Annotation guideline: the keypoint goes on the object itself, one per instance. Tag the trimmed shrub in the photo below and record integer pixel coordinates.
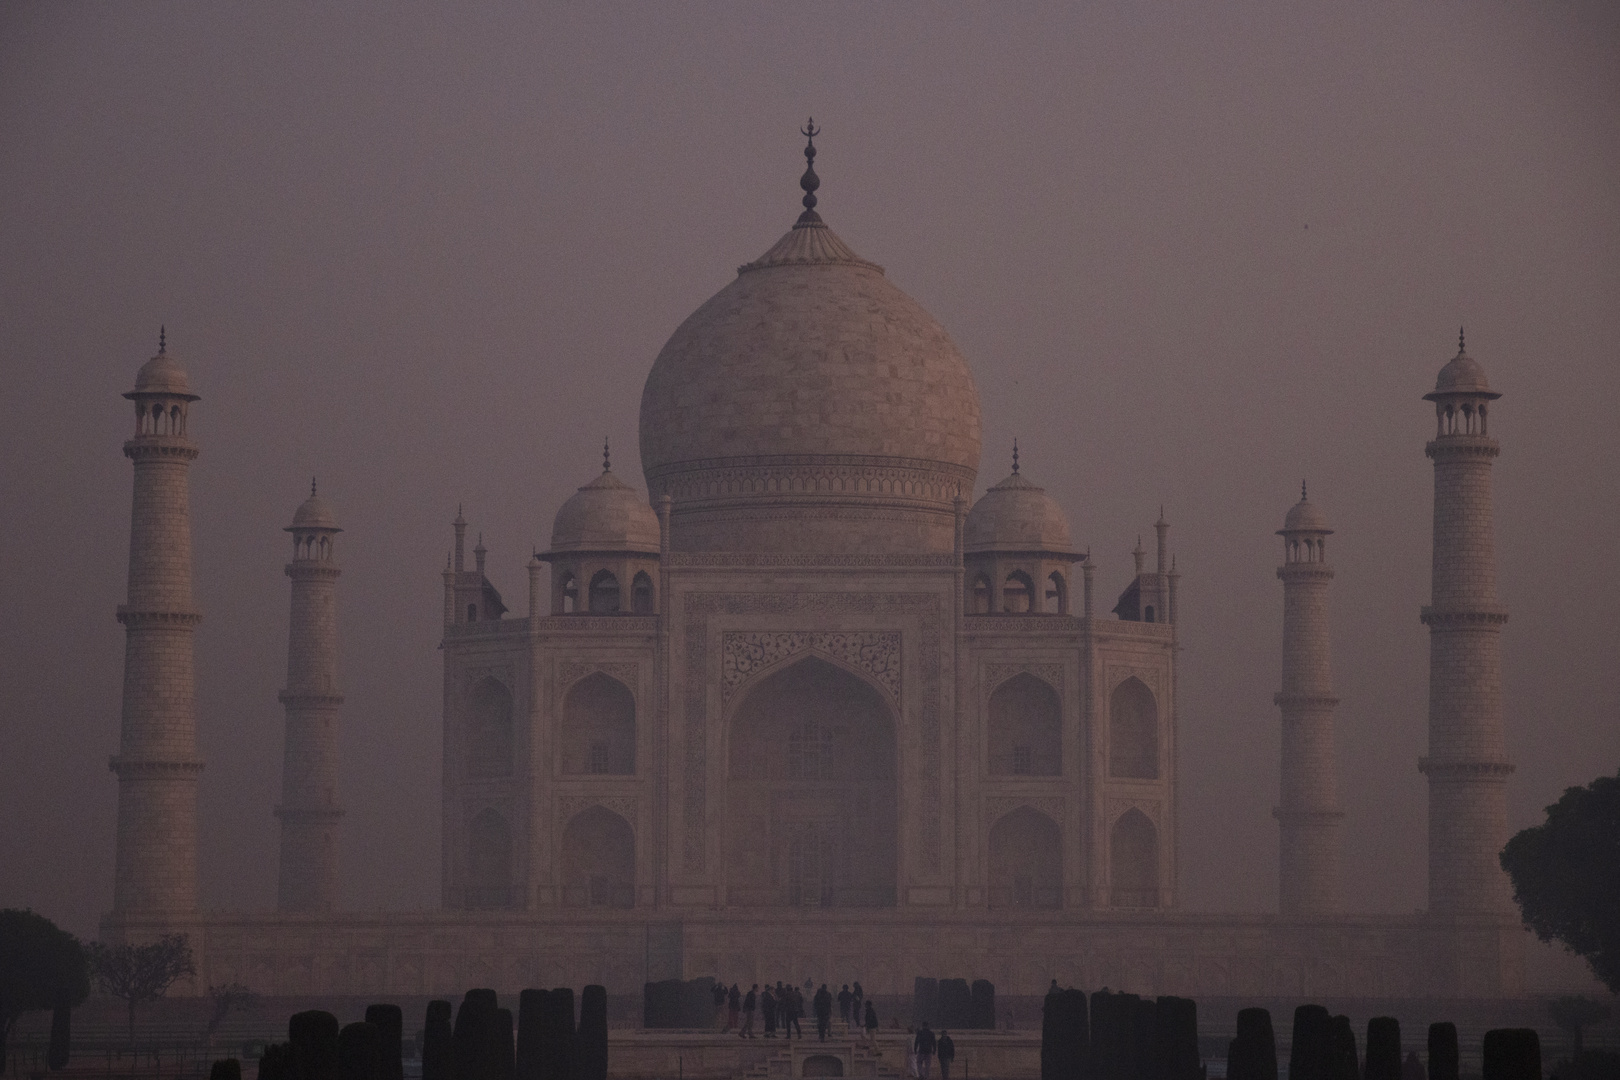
(1344, 1060)
(474, 1032)
(1383, 1049)
(502, 1063)
(389, 1020)
(955, 1004)
(1310, 1056)
(1512, 1054)
(225, 1069)
(591, 1043)
(313, 1038)
(924, 1000)
(1065, 1030)
(438, 1058)
(1444, 1055)
(677, 1004)
(1253, 1054)
(526, 1061)
(360, 1052)
(1176, 1027)
(276, 1062)
(557, 1034)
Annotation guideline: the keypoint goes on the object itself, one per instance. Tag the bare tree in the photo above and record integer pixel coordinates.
(140, 973)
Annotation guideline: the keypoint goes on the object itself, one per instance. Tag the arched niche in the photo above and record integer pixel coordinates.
(1026, 861)
(489, 729)
(598, 860)
(1057, 594)
(641, 594)
(1134, 861)
(1133, 732)
(599, 728)
(1025, 721)
(811, 813)
(489, 861)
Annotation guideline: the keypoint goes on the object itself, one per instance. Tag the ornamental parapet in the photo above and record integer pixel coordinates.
(1321, 701)
(1304, 571)
(1463, 617)
(1466, 770)
(172, 447)
(1462, 446)
(146, 767)
(292, 697)
(174, 617)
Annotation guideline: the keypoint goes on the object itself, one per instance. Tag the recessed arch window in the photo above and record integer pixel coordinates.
(599, 727)
(1133, 732)
(489, 861)
(981, 595)
(489, 730)
(1025, 722)
(598, 860)
(1134, 861)
(1026, 861)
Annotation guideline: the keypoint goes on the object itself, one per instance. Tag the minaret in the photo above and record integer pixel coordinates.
(1467, 762)
(157, 763)
(1308, 811)
(309, 810)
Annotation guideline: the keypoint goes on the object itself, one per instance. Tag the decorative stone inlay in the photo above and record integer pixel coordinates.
(812, 561)
(569, 805)
(999, 806)
(698, 607)
(570, 672)
(744, 654)
(996, 674)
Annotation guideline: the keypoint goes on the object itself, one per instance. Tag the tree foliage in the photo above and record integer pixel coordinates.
(140, 973)
(1575, 1015)
(1566, 875)
(41, 967)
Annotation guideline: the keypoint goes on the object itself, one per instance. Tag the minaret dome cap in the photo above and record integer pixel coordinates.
(1304, 517)
(1462, 376)
(1017, 515)
(162, 375)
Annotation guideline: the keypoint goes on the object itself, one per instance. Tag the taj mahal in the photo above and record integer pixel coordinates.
(793, 699)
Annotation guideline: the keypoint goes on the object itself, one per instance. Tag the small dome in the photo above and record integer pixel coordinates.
(1016, 515)
(605, 515)
(315, 513)
(1462, 375)
(163, 375)
(1305, 517)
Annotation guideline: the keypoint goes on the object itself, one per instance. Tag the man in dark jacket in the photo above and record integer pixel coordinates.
(924, 1044)
(749, 1004)
(845, 999)
(946, 1052)
(767, 1007)
(823, 1006)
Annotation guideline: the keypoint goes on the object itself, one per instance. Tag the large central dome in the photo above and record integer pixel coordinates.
(810, 406)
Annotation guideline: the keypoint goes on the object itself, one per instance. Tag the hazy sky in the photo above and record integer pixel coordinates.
(429, 252)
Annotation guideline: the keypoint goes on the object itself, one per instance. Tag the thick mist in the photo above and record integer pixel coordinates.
(1194, 254)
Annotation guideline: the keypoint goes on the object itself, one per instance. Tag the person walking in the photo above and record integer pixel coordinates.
(871, 1025)
(857, 1014)
(822, 1003)
(946, 1052)
(924, 1045)
(795, 1010)
(768, 1007)
(845, 1000)
(719, 993)
(733, 1008)
(748, 1005)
